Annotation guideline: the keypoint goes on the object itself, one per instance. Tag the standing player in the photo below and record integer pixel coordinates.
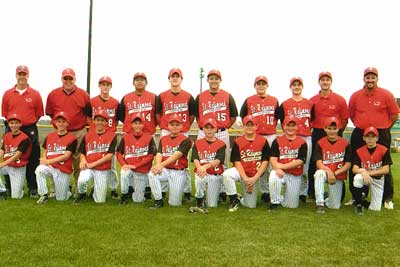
(170, 164)
(327, 104)
(15, 153)
(219, 104)
(176, 101)
(371, 163)
(263, 107)
(302, 109)
(110, 105)
(208, 155)
(288, 154)
(56, 162)
(26, 101)
(333, 160)
(250, 155)
(97, 149)
(373, 106)
(135, 154)
(76, 103)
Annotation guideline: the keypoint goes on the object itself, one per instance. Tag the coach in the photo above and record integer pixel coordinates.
(377, 107)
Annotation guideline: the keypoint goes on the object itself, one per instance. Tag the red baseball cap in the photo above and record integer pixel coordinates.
(214, 72)
(325, 73)
(136, 116)
(210, 121)
(371, 70)
(22, 68)
(139, 74)
(249, 118)
(175, 70)
(289, 119)
(14, 116)
(68, 73)
(331, 120)
(371, 130)
(260, 78)
(105, 79)
(101, 113)
(174, 117)
(61, 114)
(296, 79)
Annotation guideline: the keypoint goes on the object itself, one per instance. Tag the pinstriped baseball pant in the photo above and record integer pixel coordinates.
(60, 179)
(211, 183)
(334, 190)
(292, 189)
(100, 178)
(139, 182)
(17, 179)
(376, 188)
(230, 177)
(264, 178)
(175, 179)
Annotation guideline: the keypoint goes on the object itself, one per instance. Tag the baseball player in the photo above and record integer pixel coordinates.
(250, 155)
(327, 104)
(303, 110)
(288, 154)
(135, 154)
(27, 102)
(56, 162)
(15, 153)
(219, 104)
(97, 149)
(263, 108)
(370, 164)
(377, 107)
(333, 160)
(208, 155)
(176, 101)
(170, 164)
(110, 105)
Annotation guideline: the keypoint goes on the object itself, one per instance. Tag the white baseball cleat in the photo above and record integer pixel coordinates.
(350, 202)
(43, 199)
(389, 205)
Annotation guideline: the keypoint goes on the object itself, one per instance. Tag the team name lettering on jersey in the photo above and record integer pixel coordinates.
(300, 112)
(95, 147)
(10, 150)
(259, 110)
(136, 152)
(135, 107)
(172, 107)
(206, 156)
(169, 150)
(211, 107)
(55, 149)
(287, 153)
(371, 165)
(331, 157)
(250, 155)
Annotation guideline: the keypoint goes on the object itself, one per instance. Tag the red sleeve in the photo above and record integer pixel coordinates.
(39, 107)
(352, 106)
(49, 104)
(344, 110)
(392, 105)
(145, 160)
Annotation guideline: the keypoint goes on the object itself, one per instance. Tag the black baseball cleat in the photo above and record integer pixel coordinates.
(114, 195)
(3, 196)
(200, 202)
(130, 190)
(43, 199)
(359, 209)
(222, 197)
(79, 199)
(188, 197)
(33, 194)
(273, 207)
(158, 204)
(234, 205)
(303, 198)
(147, 193)
(164, 195)
(124, 199)
(265, 197)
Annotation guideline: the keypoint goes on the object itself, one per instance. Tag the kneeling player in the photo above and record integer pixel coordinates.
(135, 154)
(170, 164)
(370, 164)
(288, 154)
(208, 155)
(250, 155)
(333, 160)
(15, 152)
(57, 160)
(96, 152)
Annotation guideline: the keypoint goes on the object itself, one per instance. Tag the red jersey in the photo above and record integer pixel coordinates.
(144, 104)
(29, 105)
(207, 153)
(10, 146)
(289, 151)
(372, 109)
(251, 153)
(56, 146)
(302, 111)
(169, 146)
(333, 105)
(73, 104)
(215, 106)
(374, 161)
(110, 106)
(175, 103)
(333, 154)
(97, 146)
(263, 109)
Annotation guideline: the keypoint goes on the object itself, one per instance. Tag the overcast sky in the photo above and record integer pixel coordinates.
(243, 39)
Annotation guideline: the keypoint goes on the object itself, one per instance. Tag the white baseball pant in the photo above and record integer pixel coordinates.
(304, 184)
(175, 179)
(100, 178)
(264, 178)
(61, 181)
(376, 188)
(17, 179)
(334, 190)
(292, 189)
(139, 182)
(211, 183)
(230, 177)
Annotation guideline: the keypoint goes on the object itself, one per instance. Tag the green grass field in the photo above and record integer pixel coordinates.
(61, 234)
